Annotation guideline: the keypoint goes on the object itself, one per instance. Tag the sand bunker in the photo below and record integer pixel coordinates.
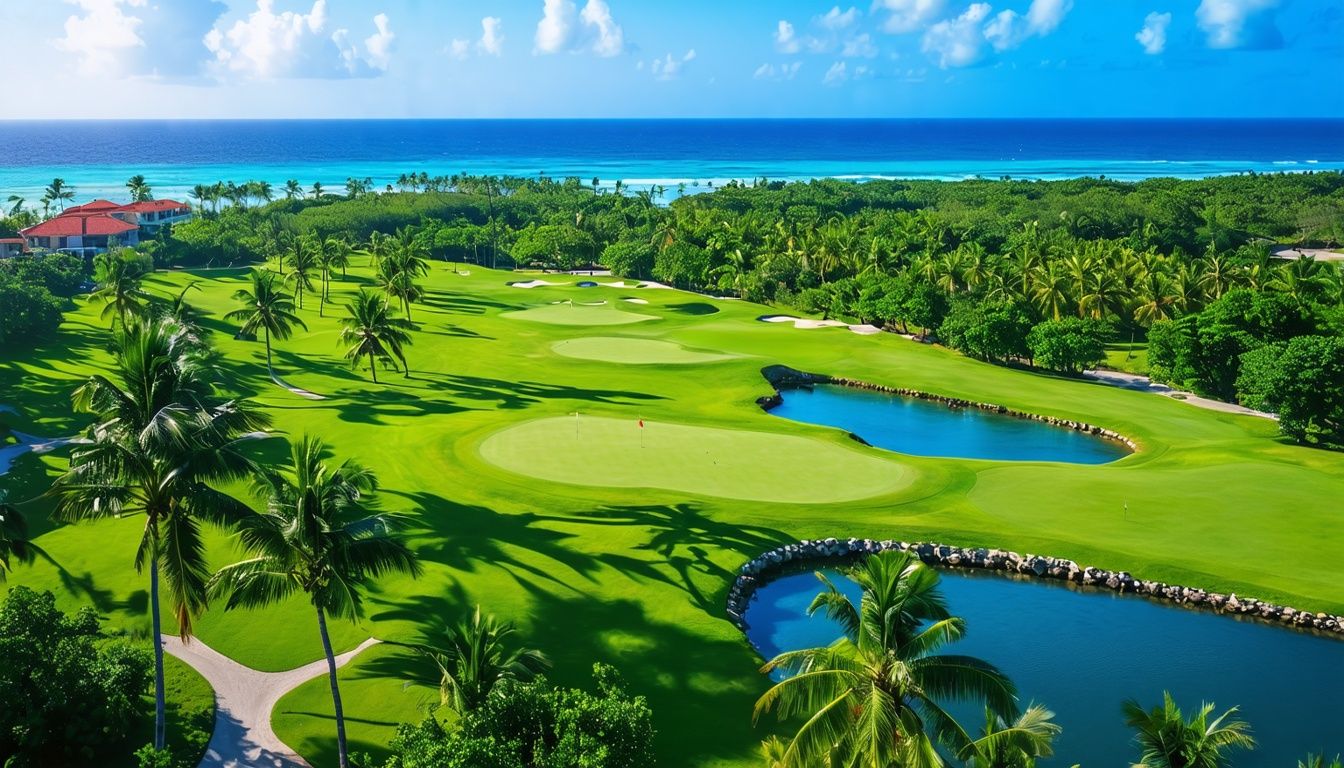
(636, 301)
(807, 323)
(633, 351)
(684, 459)
(533, 284)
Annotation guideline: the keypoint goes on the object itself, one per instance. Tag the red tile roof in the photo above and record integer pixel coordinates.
(76, 225)
(12, 241)
(154, 205)
(96, 206)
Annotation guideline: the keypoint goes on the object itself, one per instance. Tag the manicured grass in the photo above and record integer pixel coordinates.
(578, 314)
(636, 576)
(634, 351)
(703, 461)
(1130, 358)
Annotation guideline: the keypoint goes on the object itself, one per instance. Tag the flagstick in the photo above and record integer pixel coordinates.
(576, 425)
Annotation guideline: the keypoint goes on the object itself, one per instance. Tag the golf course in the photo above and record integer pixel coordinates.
(592, 465)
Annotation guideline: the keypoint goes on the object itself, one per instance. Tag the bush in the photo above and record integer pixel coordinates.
(532, 725)
(628, 258)
(66, 698)
(1069, 345)
(1301, 380)
(27, 312)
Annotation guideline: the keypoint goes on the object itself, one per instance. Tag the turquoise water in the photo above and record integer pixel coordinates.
(96, 157)
(1082, 653)
(925, 428)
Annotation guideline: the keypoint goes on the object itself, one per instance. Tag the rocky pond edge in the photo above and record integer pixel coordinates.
(829, 552)
(782, 377)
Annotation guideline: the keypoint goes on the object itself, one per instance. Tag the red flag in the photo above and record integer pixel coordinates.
(641, 423)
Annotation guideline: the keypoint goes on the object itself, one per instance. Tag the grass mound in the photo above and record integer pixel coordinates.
(569, 314)
(706, 461)
(617, 349)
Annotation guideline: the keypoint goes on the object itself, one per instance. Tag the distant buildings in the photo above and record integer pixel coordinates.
(96, 226)
(11, 247)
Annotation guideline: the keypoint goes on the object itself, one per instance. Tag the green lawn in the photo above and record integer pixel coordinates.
(634, 351)
(1130, 358)
(603, 551)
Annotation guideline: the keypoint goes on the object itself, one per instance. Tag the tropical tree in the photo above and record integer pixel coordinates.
(475, 655)
(873, 697)
(301, 256)
(139, 189)
(57, 192)
(161, 445)
(315, 538)
(118, 282)
(14, 543)
(16, 205)
(293, 190)
(372, 331)
(1015, 744)
(404, 262)
(267, 308)
(1168, 740)
(317, 190)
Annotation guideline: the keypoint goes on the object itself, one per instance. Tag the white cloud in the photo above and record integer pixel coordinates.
(668, 68)
(492, 35)
(610, 39)
(118, 38)
(560, 30)
(958, 42)
(1008, 30)
(459, 48)
(909, 15)
(836, 20)
(1239, 23)
(859, 47)
(837, 74)
(786, 40)
(267, 44)
(1153, 36)
(781, 72)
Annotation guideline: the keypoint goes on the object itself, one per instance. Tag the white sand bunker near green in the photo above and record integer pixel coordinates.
(621, 349)
(709, 461)
(577, 314)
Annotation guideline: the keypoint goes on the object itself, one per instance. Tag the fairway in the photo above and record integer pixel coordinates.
(577, 314)
(630, 351)
(706, 461)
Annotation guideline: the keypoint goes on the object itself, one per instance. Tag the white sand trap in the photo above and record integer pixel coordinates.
(865, 330)
(593, 303)
(636, 301)
(38, 445)
(617, 284)
(279, 382)
(533, 284)
(652, 284)
(803, 322)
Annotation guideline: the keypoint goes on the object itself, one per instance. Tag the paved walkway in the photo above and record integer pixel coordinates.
(244, 698)
(1138, 383)
(293, 389)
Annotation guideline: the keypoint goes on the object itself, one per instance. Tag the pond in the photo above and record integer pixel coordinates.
(1081, 653)
(927, 428)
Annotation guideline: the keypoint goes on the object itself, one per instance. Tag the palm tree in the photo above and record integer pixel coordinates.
(293, 190)
(474, 656)
(17, 205)
(58, 193)
(398, 269)
(1168, 740)
(317, 190)
(371, 331)
(1318, 761)
(266, 307)
(315, 538)
(161, 445)
(872, 697)
(139, 189)
(1014, 745)
(302, 260)
(14, 543)
(200, 194)
(119, 286)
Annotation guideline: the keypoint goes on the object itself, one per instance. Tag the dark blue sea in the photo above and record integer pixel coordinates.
(96, 157)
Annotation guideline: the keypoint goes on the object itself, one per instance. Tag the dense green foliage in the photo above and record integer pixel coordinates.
(537, 725)
(33, 293)
(67, 697)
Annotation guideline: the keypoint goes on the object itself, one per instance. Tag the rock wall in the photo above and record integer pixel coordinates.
(831, 552)
(782, 377)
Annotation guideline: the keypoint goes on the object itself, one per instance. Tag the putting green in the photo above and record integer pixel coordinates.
(567, 314)
(709, 461)
(619, 349)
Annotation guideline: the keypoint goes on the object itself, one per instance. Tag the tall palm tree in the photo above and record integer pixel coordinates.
(474, 656)
(200, 194)
(317, 190)
(1168, 740)
(873, 697)
(14, 543)
(293, 190)
(119, 286)
(58, 193)
(268, 308)
(405, 261)
(1016, 744)
(372, 331)
(16, 206)
(139, 189)
(302, 260)
(315, 538)
(161, 444)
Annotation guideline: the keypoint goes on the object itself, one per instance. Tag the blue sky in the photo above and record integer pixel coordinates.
(681, 58)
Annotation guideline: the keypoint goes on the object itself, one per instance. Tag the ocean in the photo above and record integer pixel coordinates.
(96, 157)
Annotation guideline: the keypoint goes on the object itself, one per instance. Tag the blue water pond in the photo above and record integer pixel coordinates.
(1083, 652)
(927, 428)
